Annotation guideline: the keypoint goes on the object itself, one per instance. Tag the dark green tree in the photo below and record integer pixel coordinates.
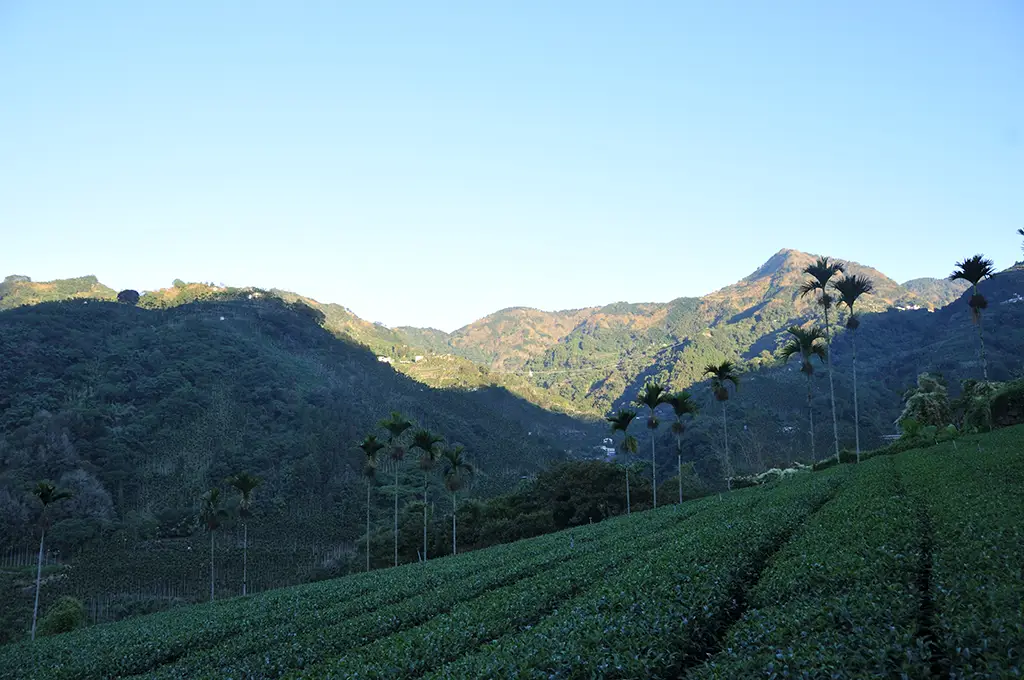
(128, 297)
(721, 375)
(457, 472)
(245, 484)
(822, 272)
(652, 396)
(806, 343)
(396, 425)
(211, 514)
(682, 405)
(850, 289)
(620, 421)
(371, 447)
(48, 494)
(974, 270)
(427, 442)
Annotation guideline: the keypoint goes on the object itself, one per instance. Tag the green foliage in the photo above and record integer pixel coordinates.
(65, 615)
(927, 404)
(128, 297)
(899, 567)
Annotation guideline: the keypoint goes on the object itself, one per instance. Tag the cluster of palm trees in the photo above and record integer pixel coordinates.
(456, 470)
(830, 287)
(212, 514)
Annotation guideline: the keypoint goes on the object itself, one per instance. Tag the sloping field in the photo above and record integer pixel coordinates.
(904, 566)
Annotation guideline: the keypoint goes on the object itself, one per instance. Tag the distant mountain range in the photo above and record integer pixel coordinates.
(577, 361)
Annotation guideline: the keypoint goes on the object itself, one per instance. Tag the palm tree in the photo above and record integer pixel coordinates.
(822, 272)
(682, 404)
(850, 288)
(211, 514)
(396, 425)
(457, 470)
(721, 375)
(1020, 232)
(371, 447)
(652, 396)
(974, 270)
(805, 344)
(426, 441)
(620, 421)
(245, 484)
(48, 494)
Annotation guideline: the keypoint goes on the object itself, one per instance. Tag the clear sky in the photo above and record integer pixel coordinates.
(427, 162)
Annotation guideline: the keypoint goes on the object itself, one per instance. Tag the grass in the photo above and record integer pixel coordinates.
(903, 566)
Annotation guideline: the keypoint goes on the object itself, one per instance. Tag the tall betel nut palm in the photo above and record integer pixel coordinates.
(721, 375)
(850, 289)
(427, 442)
(620, 421)
(48, 494)
(822, 271)
(211, 514)
(974, 270)
(806, 344)
(396, 425)
(682, 405)
(457, 472)
(371, 447)
(652, 396)
(245, 484)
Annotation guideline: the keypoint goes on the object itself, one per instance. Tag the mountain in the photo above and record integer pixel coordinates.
(16, 291)
(938, 292)
(140, 410)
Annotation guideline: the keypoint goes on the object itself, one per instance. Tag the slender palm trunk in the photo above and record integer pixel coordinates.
(367, 525)
(245, 558)
(831, 383)
(981, 343)
(810, 415)
(395, 531)
(654, 468)
(727, 468)
(211, 565)
(424, 515)
(39, 580)
(679, 474)
(627, 476)
(454, 551)
(856, 407)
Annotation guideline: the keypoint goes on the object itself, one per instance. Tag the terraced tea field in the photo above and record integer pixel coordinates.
(904, 566)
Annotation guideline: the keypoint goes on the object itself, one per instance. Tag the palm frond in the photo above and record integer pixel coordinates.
(652, 395)
(621, 419)
(396, 424)
(851, 288)
(48, 493)
(973, 270)
(682, 403)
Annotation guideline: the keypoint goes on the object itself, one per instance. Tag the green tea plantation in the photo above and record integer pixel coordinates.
(903, 566)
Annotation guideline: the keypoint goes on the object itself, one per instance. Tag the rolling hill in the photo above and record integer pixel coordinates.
(897, 567)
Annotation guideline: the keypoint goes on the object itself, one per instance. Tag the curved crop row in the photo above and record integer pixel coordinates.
(839, 601)
(649, 619)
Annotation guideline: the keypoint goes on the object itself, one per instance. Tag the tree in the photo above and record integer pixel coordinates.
(850, 288)
(1020, 232)
(128, 296)
(806, 343)
(245, 484)
(211, 514)
(682, 405)
(396, 425)
(822, 272)
(371, 447)
(721, 375)
(426, 441)
(652, 396)
(928, 403)
(974, 270)
(457, 471)
(620, 421)
(48, 494)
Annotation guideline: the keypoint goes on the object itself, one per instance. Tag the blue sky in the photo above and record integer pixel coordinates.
(426, 163)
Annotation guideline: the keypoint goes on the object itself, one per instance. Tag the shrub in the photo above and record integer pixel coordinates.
(1007, 404)
(65, 615)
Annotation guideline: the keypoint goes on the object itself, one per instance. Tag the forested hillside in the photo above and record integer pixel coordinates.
(139, 411)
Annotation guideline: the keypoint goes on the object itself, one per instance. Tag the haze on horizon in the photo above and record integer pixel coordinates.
(426, 166)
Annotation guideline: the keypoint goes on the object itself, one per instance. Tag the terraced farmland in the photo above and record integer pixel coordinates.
(904, 566)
